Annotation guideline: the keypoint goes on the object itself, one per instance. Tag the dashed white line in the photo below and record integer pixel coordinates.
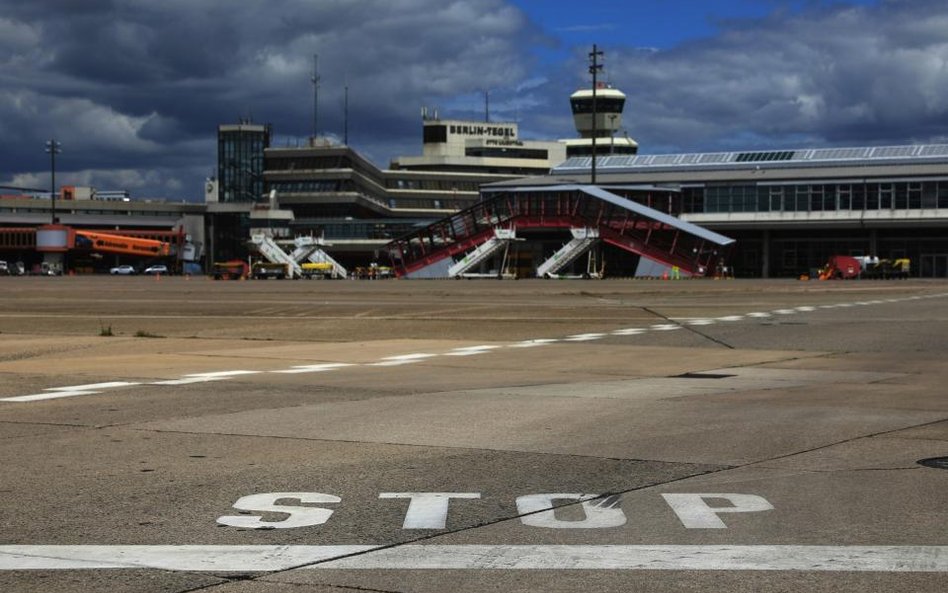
(785, 311)
(731, 318)
(632, 331)
(70, 391)
(535, 343)
(584, 337)
(665, 327)
(701, 322)
(314, 368)
(205, 377)
(391, 361)
(471, 350)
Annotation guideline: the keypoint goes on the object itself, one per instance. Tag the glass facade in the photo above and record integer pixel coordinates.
(240, 162)
(816, 197)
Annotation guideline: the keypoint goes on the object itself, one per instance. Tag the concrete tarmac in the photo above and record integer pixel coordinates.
(182, 434)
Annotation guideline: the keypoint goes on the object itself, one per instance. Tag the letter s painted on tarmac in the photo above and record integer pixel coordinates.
(299, 516)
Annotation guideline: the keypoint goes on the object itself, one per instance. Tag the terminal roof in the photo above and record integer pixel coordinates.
(769, 159)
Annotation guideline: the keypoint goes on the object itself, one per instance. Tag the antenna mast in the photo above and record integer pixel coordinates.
(315, 81)
(594, 68)
(487, 106)
(345, 119)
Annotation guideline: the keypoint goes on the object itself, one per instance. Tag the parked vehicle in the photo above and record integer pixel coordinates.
(4, 268)
(123, 270)
(230, 270)
(156, 269)
(265, 270)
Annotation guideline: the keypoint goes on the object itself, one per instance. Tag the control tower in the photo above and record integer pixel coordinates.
(609, 105)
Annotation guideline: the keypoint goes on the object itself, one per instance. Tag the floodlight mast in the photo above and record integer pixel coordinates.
(594, 68)
(53, 148)
(315, 81)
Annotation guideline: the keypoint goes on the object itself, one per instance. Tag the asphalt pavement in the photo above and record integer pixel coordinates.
(180, 434)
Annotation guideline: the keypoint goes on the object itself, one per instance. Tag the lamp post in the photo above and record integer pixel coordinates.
(53, 148)
(594, 68)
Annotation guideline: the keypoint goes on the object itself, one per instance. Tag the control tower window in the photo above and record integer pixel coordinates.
(435, 134)
(603, 105)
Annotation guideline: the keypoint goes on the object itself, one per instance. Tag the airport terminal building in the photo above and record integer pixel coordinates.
(788, 211)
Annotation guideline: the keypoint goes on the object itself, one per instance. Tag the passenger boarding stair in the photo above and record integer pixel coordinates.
(275, 254)
(500, 240)
(583, 240)
(624, 223)
(310, 249)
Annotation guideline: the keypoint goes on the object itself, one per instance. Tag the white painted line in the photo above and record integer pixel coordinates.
(785, 311)
(731, 318)
(315, 368)
(262, 558)
(71, 391)
(702, 322)
(806, 309)
(392, 361)
(632, 331)
(759, 315)
(665, 327)
(187, 558)
(534, 343)
(205, 377)
(471, 350)
(584, 337)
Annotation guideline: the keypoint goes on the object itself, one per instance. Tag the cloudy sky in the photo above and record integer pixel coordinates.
(134, 89)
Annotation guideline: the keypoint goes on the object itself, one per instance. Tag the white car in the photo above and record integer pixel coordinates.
(123, 270)
(158, 269)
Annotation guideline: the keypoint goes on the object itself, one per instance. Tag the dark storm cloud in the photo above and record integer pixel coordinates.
(134, 89)
(825, 76)
(136, 85)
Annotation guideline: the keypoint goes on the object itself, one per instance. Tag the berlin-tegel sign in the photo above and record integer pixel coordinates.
(429, 511)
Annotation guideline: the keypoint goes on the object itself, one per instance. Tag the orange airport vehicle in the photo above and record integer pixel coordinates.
(121, 244)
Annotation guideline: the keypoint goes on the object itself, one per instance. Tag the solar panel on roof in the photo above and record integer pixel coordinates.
(892, 151)
(934, 150)
(714, 157)
(805, 157)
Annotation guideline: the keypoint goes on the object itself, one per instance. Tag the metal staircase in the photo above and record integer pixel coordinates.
(500, 240)
(275, 254)
(310, 249)
(583, 240)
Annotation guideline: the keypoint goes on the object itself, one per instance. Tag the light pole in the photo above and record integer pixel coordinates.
(53, 148)
(594, 68)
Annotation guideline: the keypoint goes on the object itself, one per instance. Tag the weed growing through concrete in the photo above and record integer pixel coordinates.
(143, 334)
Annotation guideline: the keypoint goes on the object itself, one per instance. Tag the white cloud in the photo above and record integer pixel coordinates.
(832, 75)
